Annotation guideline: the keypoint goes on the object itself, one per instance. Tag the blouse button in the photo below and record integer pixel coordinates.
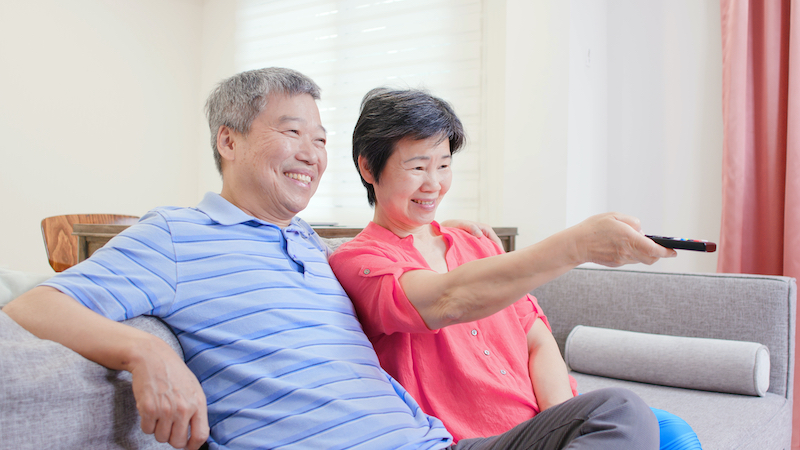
(503, 372)
(474, 332)
(366, 271)
(486, 352)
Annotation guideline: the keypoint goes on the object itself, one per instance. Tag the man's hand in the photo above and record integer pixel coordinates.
(169, 398)
(614, 239)
(477, 229)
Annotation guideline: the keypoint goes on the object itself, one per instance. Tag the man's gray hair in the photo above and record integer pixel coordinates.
(237, 101)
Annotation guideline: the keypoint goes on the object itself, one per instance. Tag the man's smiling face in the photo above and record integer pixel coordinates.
(272, 171)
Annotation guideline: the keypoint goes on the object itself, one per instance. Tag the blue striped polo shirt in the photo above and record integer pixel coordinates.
(264, 324)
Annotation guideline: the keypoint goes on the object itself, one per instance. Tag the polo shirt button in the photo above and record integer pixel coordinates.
(503, 372)
(366, 271)
(474, 332)
(486, 352)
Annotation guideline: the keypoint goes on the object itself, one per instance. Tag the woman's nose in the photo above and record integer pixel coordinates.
(432, 181)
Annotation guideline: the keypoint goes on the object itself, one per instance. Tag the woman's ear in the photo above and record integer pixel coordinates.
(226, 143)
(365, 173)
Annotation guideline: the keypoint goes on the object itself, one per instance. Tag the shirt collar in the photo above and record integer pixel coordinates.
(222, 211)
(226, 213)
(382, 234)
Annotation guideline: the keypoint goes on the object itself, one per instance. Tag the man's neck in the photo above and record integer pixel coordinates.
(253, 211)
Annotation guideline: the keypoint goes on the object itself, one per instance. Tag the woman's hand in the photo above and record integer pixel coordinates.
(614, 239)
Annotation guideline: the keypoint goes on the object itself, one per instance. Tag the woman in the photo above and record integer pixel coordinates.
(449, 314)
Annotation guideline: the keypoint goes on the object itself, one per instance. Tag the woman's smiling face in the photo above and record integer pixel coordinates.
(415, 179)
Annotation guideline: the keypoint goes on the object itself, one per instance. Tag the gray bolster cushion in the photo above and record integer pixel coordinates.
(735, 367)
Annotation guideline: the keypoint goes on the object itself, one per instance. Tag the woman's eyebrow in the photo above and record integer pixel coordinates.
(424, 158)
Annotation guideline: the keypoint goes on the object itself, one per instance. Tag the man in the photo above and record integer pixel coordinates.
(274, 354)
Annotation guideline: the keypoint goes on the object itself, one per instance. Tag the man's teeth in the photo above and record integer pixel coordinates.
(299, 177)
(423, 202)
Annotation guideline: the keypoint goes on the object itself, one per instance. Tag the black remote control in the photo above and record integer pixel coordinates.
(684, 244)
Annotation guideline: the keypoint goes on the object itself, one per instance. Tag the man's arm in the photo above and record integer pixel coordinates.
(483, 287)
(168, 396)
(547, 369)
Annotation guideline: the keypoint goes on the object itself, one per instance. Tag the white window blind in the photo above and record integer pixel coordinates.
(350, 47)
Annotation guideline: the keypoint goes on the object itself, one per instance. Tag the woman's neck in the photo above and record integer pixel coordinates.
(427, 240)
(420, 232)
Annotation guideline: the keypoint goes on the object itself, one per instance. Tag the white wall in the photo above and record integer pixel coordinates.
(637, 130)
(534, 169)
(98, 113)
(665, 120)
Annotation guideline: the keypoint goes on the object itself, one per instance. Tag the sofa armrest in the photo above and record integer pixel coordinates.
(51, 396)
(750, 308)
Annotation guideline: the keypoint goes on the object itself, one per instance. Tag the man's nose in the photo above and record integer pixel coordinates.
(308, 153)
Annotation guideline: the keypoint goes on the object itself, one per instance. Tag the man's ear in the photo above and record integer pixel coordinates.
(365, 173)
(226, 143)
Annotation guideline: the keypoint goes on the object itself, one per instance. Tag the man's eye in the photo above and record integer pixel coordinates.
(444, 166)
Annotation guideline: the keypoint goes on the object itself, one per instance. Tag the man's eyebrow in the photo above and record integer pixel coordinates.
(283, 119)
(423, 158)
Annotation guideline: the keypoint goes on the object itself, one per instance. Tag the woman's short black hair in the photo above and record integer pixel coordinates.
(388, 116)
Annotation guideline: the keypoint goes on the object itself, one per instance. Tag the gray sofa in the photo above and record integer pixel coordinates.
(723, 306)
(51, 397)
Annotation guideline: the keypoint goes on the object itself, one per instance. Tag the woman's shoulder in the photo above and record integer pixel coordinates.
(365, 243)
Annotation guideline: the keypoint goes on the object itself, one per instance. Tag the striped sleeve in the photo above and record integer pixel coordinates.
(133, 275)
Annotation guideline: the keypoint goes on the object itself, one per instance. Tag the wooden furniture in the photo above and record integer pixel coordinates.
(93, 236)
(506, 234)
(63, 250)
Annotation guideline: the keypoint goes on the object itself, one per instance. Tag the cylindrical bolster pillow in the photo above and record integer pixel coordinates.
(735, 367)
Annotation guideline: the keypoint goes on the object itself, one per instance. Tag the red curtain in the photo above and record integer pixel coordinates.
(760, 230)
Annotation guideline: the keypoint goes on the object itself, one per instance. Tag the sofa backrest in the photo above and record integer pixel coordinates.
(751, 308)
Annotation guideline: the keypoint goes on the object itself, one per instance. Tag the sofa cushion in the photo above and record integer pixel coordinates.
(14, 283)
(719, 365)
(721, 421)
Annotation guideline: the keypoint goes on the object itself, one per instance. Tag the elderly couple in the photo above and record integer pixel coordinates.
(451, 351)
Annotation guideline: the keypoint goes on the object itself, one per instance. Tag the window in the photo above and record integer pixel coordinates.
(350, 47)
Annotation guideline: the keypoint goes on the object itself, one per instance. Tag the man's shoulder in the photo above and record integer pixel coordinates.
(176, 214)
(167, 222)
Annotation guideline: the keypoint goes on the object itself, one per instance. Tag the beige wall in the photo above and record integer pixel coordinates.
(102, 112)
(100, 105)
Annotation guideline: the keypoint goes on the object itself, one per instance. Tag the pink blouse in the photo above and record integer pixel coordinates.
(473, 376)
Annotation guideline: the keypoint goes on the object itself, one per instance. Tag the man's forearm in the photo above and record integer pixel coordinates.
(50, 314)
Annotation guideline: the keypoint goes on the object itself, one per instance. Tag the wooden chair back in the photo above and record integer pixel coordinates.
(62, 246)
